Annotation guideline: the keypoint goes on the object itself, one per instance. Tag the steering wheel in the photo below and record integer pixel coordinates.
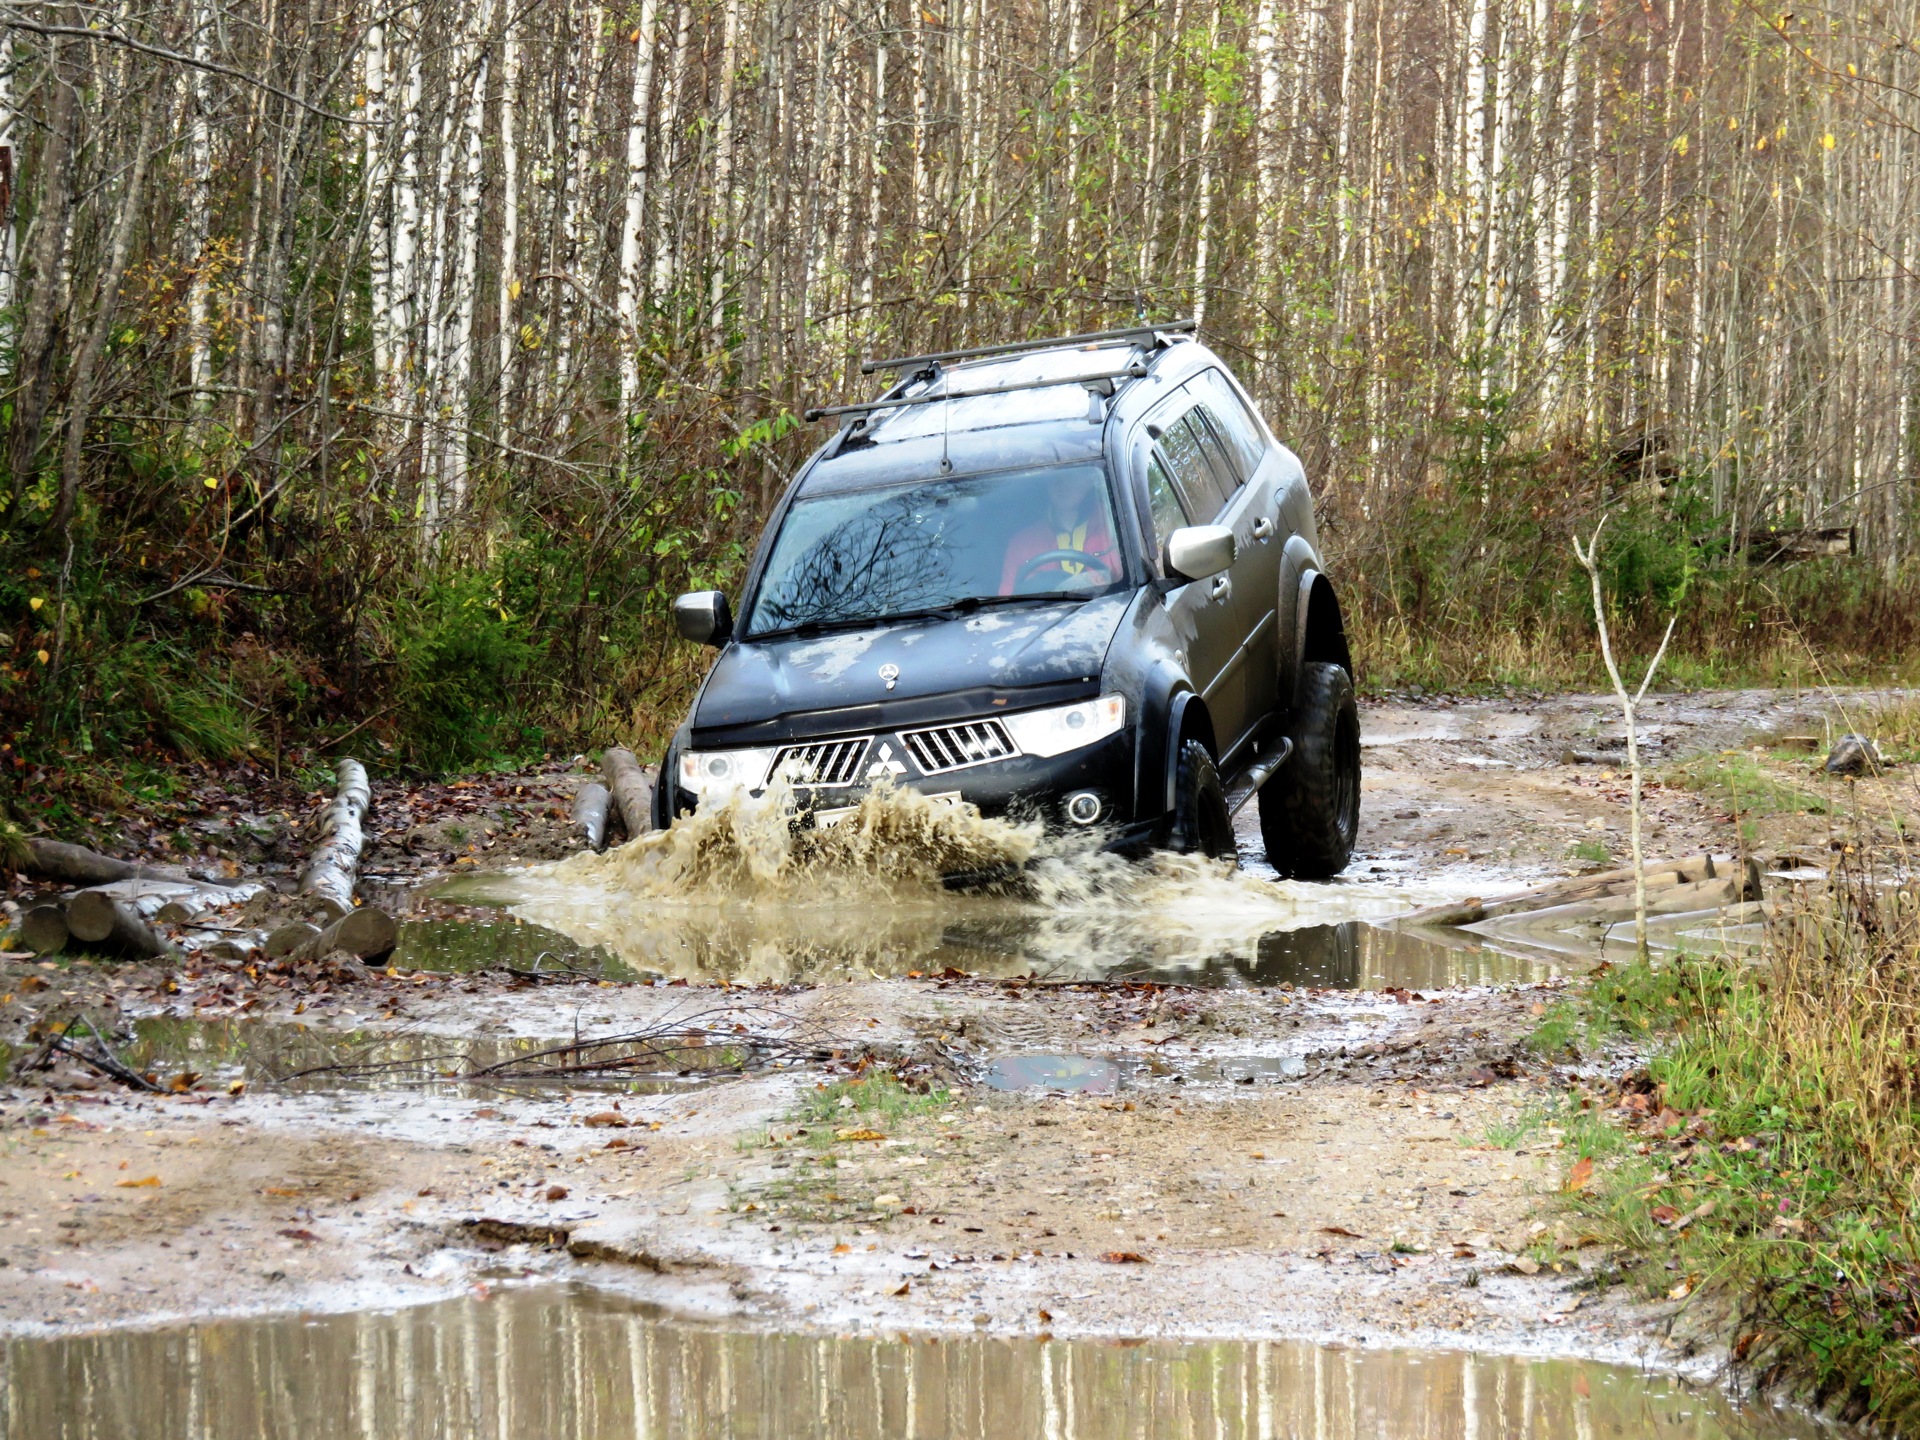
(1056, 557)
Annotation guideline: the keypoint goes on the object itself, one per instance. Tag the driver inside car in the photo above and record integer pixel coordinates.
(1075, 536)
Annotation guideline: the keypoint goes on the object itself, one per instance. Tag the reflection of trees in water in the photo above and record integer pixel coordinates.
(890, 557)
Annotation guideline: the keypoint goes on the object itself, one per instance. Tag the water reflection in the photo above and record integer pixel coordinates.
(260, 1052)
(575, 1365)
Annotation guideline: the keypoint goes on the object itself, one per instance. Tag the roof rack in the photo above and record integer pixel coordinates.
(1142, 332)
(1133, 371)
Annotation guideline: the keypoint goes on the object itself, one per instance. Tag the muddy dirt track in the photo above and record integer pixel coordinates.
(1293, 1123)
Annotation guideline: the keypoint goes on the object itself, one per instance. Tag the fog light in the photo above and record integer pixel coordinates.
(1083, 807)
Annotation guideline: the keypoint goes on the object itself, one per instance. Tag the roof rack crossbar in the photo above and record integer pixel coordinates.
(866, 407)
(1144, 332)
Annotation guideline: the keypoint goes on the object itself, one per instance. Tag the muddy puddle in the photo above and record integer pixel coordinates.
(540, 1363)
(744, 896)
(297, 1059)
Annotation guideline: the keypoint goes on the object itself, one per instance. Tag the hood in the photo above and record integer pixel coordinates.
(754, 682)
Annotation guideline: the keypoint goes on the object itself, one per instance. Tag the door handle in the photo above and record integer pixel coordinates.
(1222, 587)
(1263, 528)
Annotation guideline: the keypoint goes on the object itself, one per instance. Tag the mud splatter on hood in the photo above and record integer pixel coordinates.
(756, 681)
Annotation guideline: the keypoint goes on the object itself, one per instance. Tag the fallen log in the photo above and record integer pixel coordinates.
(77, 865)
(1687, 870)
(43, 929)
(368, 934)
(96, 917)
(632, 790)
(590, 815)
(335, 865)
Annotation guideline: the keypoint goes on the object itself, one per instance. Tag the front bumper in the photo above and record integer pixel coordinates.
(1020, 787)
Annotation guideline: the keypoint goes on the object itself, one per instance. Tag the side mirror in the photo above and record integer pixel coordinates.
(1197, 551)
(704, 617)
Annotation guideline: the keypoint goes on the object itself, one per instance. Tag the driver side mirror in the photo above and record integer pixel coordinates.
(704, 617)
(1195, 552)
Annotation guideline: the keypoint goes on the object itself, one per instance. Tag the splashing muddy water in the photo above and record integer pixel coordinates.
(545, 1363)
(744, 893)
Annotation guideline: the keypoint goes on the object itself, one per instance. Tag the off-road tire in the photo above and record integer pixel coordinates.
(1310, 811)
(1201, 823)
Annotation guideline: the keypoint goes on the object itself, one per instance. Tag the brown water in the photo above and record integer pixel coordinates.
(556, 1364)
(744, 894)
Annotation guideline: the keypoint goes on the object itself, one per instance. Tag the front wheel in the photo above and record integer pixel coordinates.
(1200, 819)
(1310, 811)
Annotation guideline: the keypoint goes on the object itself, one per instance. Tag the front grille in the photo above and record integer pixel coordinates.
(824, 764)
(955, 747)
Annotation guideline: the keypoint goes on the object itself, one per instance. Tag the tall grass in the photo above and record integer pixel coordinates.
(1788, 1093)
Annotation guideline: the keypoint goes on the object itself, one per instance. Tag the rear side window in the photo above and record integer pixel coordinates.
(1236, 425)
(1185, 444)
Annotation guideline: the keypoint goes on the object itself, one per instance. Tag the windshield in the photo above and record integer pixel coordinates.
(937, 544)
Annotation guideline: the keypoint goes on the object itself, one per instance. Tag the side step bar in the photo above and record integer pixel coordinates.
(1263, 769)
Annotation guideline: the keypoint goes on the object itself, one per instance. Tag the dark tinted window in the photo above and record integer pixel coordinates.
(1226, 469)
(1162, 501)
(1237, 427)
(1185, 445)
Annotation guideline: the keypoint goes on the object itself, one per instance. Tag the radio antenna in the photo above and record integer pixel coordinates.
(946, 417)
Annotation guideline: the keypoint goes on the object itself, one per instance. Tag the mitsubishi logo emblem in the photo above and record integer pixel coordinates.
(886, 764)
(890, 672)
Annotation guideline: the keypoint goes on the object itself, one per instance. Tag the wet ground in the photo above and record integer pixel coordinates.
(1169, 1104)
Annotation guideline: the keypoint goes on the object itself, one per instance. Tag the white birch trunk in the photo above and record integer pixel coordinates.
(199, 205)
(876, 171)
(632, 271)
(722, 217)
(1266, 144)
(507, 282)
(922, 103)
(670, 222)
(10, 179)
(1205, 218)
(457, 410)
(405, 281)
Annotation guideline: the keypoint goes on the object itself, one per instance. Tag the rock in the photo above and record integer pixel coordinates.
(1854, 755)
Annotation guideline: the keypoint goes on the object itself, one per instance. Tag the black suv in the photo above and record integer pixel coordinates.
(1075, 578)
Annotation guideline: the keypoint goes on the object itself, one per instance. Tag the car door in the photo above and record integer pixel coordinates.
(1204, 610)
(1242, 451)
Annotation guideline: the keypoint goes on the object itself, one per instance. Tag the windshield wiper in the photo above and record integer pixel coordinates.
(953, 611)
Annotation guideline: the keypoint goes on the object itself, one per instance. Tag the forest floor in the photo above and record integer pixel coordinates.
(1376, 1164)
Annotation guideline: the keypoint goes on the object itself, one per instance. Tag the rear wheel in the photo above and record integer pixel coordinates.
(1201, 823)
(1310, 811)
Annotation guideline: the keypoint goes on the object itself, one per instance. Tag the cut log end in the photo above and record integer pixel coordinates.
(590, 815)
(43, 930)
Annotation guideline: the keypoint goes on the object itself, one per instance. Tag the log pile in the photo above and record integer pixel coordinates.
(155, 912)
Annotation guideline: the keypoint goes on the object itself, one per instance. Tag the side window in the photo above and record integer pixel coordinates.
(1237, 426)
(1162, 502)
(1226, 468)
(1185, 444)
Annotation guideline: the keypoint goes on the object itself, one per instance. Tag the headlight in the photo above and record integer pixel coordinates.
(709, 773)
(1067, 727)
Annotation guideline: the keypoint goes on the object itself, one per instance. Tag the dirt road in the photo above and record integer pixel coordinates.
(1251, 1159)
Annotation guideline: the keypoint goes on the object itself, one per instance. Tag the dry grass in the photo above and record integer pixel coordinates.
(1788, 1094)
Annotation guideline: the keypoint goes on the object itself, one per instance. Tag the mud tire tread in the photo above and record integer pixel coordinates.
(1201, 824)
(1310, 811)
